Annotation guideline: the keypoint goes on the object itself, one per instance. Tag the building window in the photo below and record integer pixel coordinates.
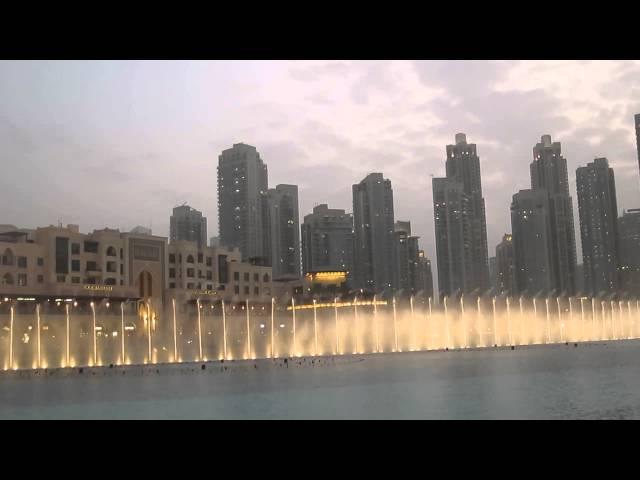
(190, 272)
(190, 259)
(22, 279)
(256, 277)
(111, 252)
(90, 246)
(200, 258)
(75, 279)
(40, 278)
(209, 261)
(246, 289)
(236, 289)
(92, 267)
(40, 261)
(209, 275)
(91, 280)
(246, 276)
(121, 269)
(256, 291)
(200, 274)
(75, 249)
(121, 254)
(172, 273)
(236, 276)
(110, 281)
(22, 262)
(61, 278)
(112, 267)
(75, 265)
(172, 258)
(121, 282)
(172, 285)
(190, 285)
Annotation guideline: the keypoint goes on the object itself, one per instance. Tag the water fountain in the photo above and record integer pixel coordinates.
(375, 324)
(355, 318)
(293, 313)
(395, 329)
(335, 308)
(315, 326)
(413, 332)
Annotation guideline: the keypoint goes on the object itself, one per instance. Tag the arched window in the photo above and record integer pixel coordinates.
(190, 259)
(111, 252)
(8, 258)
(7, 279)
(265, 278)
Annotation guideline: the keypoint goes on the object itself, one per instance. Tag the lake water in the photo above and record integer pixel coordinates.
(591, 381)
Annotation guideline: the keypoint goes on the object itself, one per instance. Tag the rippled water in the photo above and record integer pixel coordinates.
(592, 381)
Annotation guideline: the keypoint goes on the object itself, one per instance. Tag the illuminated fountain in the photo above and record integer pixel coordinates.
(56, 334)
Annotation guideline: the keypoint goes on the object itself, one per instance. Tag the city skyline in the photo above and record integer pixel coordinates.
(51, 152)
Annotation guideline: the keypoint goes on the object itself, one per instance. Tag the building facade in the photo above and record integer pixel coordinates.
(461, 225)
(598, 212)
(549, 174)
(505, 268)
(188, 224)
(629, 234)
(532, 243)
(242, 190)
(283, 240)
(327, 241)
(373, 222)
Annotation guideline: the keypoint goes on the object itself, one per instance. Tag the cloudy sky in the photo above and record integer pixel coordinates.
(118, 144)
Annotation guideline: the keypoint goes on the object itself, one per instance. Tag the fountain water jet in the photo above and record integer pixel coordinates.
(535, 318)
(293, 312)
(395, 330)
(413, 332)
(546, 301)
(248, 329)
(604, 325)
(224, 332)
(315, 327)
(464, 322)
(495, 325)
(355, 317)
(446, 323)
(511, 340)
(175, 332)
(272, 317)
(430, 327)
(522, 336)
(582, 318)
(11, 338)
(375, 324)
(67, 349)
(335, 309)
(560, 320)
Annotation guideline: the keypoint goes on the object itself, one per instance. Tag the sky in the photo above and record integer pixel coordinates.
(120, 143)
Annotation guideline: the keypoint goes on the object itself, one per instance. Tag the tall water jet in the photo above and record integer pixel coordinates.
(395, 329)
(355, 317)
(604, 325)
(413, 333)
(593, 319)
(11, 338)
(248, 329)
(224, 332)
(446, 324)
(613, 321)
(630, 319)
(375, 324)
(464, 322)
(198, 306)
(560, 319)
(582, 318)
(535, 318)
(495, 323)
(335, 310)
(522, 335)
(293, 313)
(272, 336)
(620, 319)
(67, 343)
(511, 340)
(430, 327)
(38, 334)
(95, 334)
(149, 332)
(175, 332)
(571, 321)
(548, 321)
(315, 327)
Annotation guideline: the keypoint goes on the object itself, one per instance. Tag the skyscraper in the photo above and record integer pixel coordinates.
(598, 211)
(424, 277)
(242, 190)
(549, 174)
(460, 224)
(532, 242)
(373, 223)
(327, 240)
(284, 231)
(505, 268)
(187, 223)
(629, 231)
